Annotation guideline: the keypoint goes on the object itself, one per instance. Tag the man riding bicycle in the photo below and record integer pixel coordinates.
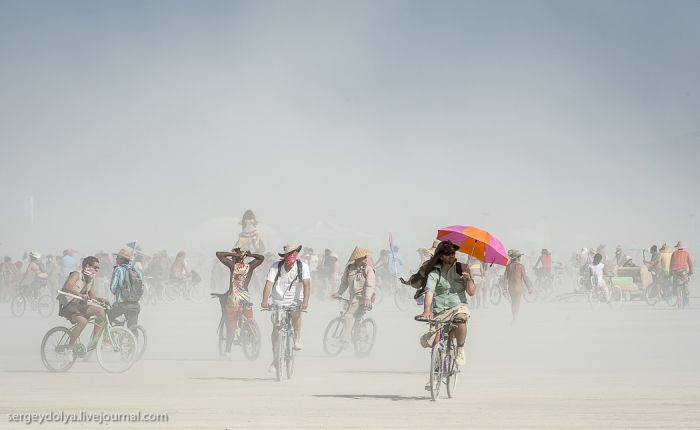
(78, 311)
(359, 280)
(288, 284)
(681, 269)
(445, 298)
(238, 295)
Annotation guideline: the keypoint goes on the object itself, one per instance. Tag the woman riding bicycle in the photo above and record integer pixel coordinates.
(238, 296)
(445, 298)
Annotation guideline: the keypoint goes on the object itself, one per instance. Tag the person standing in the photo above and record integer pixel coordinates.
(516, 281)
(127, 287)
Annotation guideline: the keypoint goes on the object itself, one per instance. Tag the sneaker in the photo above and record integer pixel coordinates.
(272, 367)
(460, 356)
(298, 344)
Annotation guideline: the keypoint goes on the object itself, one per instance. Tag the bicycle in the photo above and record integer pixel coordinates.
(36, 297)
(680, 286)
(283, 347)
(187, 288)
(363, 336)
(248, 333)
(116, 346)
(443, 357)
(497, 291)
(597, 295)
(660, 289)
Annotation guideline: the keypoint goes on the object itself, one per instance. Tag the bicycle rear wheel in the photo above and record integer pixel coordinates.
(651, 294)
(332, 337)
(495, 295)
(250, 340)
(18, 305)
(364, 336)
(56, 351)
(116, 350)
(435, 372)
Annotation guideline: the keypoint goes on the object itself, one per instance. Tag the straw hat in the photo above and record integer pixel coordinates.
(679, 245)
(35, 255)
(514, 253)
(289, 248)
(359, 252)
(434, 246)
(125, 254)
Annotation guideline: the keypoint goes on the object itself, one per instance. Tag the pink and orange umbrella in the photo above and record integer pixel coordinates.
(475, 242)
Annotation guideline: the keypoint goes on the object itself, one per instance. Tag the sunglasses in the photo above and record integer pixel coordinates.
(448, 254)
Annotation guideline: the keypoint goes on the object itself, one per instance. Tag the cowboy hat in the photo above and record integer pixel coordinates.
(125, 254)
(358, 253)
(35, 255)
(679, 245)
(289, 248)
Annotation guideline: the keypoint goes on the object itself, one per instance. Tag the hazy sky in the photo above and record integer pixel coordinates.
(558, 124)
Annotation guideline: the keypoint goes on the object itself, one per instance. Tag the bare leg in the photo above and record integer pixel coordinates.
(80, 323)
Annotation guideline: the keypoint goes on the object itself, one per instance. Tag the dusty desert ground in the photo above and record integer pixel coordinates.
(562, 366)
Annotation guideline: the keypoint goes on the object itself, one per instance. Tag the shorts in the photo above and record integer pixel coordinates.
(427, 339)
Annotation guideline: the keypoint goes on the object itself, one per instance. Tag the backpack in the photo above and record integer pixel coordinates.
(133, 290)
(298, 278)
(420, 278)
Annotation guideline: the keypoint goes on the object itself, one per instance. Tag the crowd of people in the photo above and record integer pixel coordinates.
(443, 280)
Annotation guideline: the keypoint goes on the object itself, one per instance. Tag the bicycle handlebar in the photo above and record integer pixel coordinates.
(91, 301)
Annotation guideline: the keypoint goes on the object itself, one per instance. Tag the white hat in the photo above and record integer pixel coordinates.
(289, 248)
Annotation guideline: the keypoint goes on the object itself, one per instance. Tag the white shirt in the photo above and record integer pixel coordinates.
(597, 272)
(284, 293)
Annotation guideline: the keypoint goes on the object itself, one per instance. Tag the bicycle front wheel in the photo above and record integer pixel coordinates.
(45, 305)
(495, 295)
(56, 351)
(116, 350)
(363, 337)
(435, 372)
(141, 341)
(332, 337)
(280, 352)
(289, 359)
(402, 298)
(452, 369)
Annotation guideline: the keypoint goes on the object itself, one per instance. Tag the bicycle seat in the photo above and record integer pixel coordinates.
(218, 295)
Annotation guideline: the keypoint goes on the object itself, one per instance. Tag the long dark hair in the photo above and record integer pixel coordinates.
(427, 267)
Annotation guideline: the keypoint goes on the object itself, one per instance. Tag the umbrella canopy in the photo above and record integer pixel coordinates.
(476, 242)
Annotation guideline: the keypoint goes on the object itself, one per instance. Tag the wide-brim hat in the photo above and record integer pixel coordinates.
(679, 245)
(359, 252)
(289, 248)
(34, 254)
(125, 254)
(433, 247)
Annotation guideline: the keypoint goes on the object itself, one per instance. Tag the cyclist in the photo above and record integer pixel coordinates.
(359, 280)
(288, 284)
(681, 268)
(125, 279)
(241, 273)
(35, 276)
(250, 239)
(78, 311)
(543, 266)
(445, 297)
